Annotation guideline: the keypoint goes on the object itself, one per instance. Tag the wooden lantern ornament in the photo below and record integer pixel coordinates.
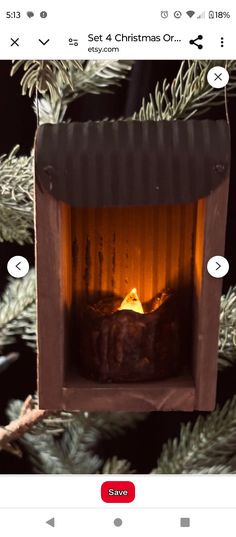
(127, 215)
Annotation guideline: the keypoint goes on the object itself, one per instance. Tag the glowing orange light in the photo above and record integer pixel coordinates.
(132, 302)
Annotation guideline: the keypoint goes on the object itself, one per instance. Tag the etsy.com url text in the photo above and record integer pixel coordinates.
(98, 50)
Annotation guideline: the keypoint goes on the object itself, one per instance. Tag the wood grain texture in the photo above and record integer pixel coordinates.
(172, 394)
(210, 241)
(53, 295)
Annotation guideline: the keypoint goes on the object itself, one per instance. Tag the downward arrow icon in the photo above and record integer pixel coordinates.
(44, 42)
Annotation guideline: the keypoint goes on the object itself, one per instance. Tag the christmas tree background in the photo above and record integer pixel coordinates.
(33, 441)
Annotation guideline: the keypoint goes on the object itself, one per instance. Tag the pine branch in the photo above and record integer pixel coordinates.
(17, 311)
(227, 333)
(41, 75)
(61, 82)
(7, 360)
(98, 76)
(15, 227)
(95, 78)
(188, 95)
(18, 427)
(16, 197)
(116, 466)
(209, 443)
(50, 109)
(212, 470)
(74, 450)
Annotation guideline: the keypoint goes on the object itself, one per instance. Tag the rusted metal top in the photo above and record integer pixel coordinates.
(122, 163)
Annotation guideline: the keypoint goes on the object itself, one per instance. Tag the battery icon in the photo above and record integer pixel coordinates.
(211, 14)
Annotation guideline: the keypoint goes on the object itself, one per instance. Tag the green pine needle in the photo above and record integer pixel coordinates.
(17, 311)
(96, 77)
(188, 95)
(16, 197)
(211, 442)
(73, 451)
(227, 333)
(117, 466)
(41, 75)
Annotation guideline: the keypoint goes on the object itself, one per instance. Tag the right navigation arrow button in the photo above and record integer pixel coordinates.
(217, 266)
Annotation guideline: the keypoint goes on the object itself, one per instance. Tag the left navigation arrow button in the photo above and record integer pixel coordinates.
(18, 266)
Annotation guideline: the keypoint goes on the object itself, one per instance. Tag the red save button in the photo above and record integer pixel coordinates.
(118, 492)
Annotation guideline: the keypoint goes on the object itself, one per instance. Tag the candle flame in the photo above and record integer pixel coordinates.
(132, 302)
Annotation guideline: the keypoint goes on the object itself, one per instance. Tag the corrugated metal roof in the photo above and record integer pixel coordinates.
(122, 163)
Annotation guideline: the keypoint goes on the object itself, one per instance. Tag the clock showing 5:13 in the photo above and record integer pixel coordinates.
(13, 14)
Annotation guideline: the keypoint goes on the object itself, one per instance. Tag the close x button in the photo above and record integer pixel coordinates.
(118, 491)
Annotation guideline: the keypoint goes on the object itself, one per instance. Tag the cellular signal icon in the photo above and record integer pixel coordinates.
(202, 15)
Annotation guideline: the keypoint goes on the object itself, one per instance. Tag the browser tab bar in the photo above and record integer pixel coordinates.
(167, 31)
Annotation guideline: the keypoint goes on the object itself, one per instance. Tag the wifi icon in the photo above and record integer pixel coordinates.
(190, 13)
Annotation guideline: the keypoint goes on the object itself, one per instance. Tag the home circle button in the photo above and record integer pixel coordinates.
(118, 492)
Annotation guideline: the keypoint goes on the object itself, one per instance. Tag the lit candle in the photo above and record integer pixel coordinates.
(123, 342)
(132, 302)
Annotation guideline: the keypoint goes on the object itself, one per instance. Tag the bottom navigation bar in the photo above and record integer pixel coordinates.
(119, 521)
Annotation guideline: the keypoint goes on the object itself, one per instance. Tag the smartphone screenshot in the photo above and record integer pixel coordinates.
(117, 269)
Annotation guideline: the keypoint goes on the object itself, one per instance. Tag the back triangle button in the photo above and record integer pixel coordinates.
(51, 522)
